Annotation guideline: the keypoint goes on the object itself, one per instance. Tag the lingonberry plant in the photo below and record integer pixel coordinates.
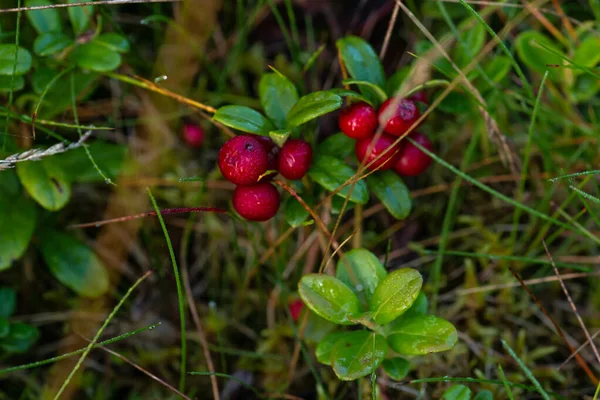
(389, 307)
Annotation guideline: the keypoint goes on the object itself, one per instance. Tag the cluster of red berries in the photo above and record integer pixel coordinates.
(360, 121)
(251, 162)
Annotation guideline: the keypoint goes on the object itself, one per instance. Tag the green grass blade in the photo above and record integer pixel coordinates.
(526, 370)
(505, 382)
(180, 295)
(592, 172)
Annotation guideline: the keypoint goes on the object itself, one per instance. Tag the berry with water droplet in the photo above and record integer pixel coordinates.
(258, 202)
(193, 135)
(411, 160)
(399, 119)
(358, 121)
(294, 159)
(243, 159)
(383, 143)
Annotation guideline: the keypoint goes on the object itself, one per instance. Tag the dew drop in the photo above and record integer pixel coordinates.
(145, 21)
(359, 288)
(108, 181)
(160, 78)
(151, 328)
(212, 304)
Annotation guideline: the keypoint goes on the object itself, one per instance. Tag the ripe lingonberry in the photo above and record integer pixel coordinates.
(419, 96)
(358, 121)
(243, 159)
(272, 153)
(382, 144)
(258, 202)
(295, 308)
(193, 135)
(411, 160)
(294, 159)
(402, 118)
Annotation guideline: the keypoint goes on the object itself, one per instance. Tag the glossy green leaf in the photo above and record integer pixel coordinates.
(7, 60)
(395, 294)
(422, 335)
(419, 307)
(294, 213)
(498, 68)
(108, 156)
(329, 297)
(338, 203)
(43, 21)
(323, 350)
(280, 136)
(484, 395)
(80, 16)
(536, 57)
(472, 41)
(357, 354)
(58, 97)
(331, 173)
(277, 96)
(312, 106)
(17, 82)
(114, 42)
(74, 264)
(396, 368)
(338, 145)
(457, 392)
(8, 301)
(20, 338)
(4, 327)
(354, 96)
(374, 91)
(244, 119)
(360, 270)
(17, 224)
(360, 60)
(46, 182)
(50, 43)
(587, 54)
(96, 57)
(392, 192)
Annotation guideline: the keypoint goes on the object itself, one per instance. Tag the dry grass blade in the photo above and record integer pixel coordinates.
(580, 360)
(573, 307)
(578, 350)
(38, 154)
(388, 33)
(86, 3)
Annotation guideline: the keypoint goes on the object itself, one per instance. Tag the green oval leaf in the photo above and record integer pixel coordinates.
(338, 145)
(395, 294)
(7, 60)
(280, 136)
(17, 224)
(312, 106)
(294, 213)
(536, 57)
(360, 270)
(375, 92)
(484, 395)
(20, 338)
(457, 392)
(8, 301)
(352, 95)
(498, 68)
(4, 327)
(360, 60)
(587, 54)
(46, 182)
(96, 57)
(50, 43)
(277, 97)
(396, 368)
(74, 264)
(114, 42)
(357, 354)
(323, 350)
(422, 335)
(470, 43)
(17, 82)
(329, 298)
(393, 193)
(244, 119)
(80, 16)
(332, 173)
(43, 21)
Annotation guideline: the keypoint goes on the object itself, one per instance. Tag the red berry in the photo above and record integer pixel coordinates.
(411, 160)
(358, 121)
(193, 135)
(419, 96)
(384, 142)
(258, 202)
(296, 307)
(272, 152)
(402, 118)
(294, 159)
(243, 159)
